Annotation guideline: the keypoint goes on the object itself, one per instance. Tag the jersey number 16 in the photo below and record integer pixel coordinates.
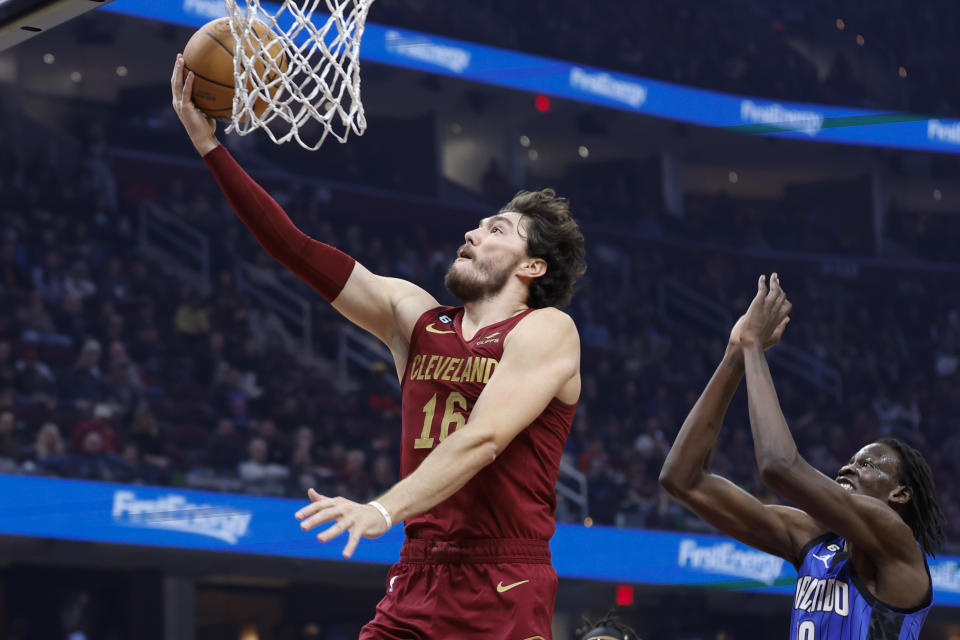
(452, 417)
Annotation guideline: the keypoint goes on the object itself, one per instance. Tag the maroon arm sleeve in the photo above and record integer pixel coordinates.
(323, 267)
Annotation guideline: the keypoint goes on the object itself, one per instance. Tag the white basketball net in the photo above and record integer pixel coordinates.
(319, 93)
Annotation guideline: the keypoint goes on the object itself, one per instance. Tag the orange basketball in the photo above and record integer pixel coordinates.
(209, 54)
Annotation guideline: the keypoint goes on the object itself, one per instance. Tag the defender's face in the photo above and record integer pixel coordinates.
(872, 471)
(487, 258)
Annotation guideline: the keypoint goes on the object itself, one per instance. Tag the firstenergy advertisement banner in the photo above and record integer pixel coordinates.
(181, 518)
(525, 72)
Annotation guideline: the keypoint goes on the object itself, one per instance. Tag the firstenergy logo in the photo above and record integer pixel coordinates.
(420, 48)
(205, 8)
(174, 512)
(727, 558)
(943, 131)
(605, 85)
(808, 122)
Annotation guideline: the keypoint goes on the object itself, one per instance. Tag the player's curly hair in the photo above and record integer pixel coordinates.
(608, 625)
(923, 512)
(552, 234)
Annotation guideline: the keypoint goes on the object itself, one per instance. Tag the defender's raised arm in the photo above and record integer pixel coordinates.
(686, 472)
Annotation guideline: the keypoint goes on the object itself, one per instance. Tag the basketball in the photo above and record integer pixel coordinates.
(209, 54)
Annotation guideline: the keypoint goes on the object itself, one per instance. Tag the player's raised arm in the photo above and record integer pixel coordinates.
(686, 472)
(541, 361)
(865, 521)
(386, 307)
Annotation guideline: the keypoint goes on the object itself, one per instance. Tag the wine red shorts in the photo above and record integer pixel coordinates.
(476, 589)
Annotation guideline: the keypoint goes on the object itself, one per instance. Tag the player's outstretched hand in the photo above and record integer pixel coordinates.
(764, 322)
(200, 128)
(361, 520)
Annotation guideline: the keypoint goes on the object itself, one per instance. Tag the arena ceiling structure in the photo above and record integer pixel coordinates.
(22, 19)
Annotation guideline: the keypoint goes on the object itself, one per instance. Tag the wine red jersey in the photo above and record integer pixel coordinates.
(515, 495)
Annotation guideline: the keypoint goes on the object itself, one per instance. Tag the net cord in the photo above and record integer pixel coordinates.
(320, 86)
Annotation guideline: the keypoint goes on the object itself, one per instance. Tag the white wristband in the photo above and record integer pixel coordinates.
(383, 511)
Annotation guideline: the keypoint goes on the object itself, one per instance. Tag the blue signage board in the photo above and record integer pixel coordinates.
(591, 85)
(197, 520)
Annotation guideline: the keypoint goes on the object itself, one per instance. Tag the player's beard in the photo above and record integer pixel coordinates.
(482, 281)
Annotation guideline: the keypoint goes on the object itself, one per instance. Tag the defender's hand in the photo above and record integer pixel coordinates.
(764, 322)
(734, 344)
(200, 128)
(361, 520)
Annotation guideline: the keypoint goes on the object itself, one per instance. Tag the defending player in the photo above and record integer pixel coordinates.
(489, 392)
(858, 542)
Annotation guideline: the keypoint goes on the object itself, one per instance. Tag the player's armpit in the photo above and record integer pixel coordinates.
(541, 361)
(386, 307)
(778, 530)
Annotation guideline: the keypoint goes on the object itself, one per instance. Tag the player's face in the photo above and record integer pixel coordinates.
(872, 471)
(487, 259)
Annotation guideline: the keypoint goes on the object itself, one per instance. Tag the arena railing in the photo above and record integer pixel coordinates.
(362, 349)
(175, 245)
(279, 299)
(572, 485)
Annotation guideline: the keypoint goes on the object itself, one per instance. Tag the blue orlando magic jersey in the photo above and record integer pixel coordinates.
(831, 602)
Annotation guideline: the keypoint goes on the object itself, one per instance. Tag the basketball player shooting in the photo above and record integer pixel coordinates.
(858, 542)
(489, 391)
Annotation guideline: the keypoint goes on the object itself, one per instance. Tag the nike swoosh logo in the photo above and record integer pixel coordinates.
(430, 329)
(502, 589)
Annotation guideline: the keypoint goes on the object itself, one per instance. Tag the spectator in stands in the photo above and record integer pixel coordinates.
(304, 472)
(48, 452)
(35, 381)
(260, 476)
(383, 475)
(354, 478)
(8, 368)
(130, 467)
(71, 321)
(92, 462)
(224, 450)
(277, 449)
(115, 283)
(146, 343)
(210, 363)
(191, 319)
(13, 276)
(10, 449)
(124, 386)
(230, 397)
(99, 421)
(84, 386)
(78, 282)
(152, 446)
(35, 318)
